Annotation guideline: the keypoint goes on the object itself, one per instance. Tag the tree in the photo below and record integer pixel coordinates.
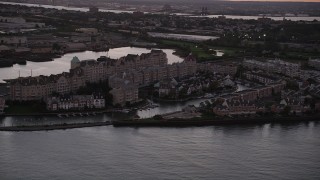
(56, 46)
(286, 110)
(292, 85)
(157, 117)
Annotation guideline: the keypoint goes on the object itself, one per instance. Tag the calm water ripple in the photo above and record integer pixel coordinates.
(269, 151)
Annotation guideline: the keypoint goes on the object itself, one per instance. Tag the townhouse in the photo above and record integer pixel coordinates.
(259, 77)
(167, 87)
(75, 102)
(14, 40)
(237, 107)
(274, 66)
(295, 105)
(264, 91)
(249, 94)
(220, 68)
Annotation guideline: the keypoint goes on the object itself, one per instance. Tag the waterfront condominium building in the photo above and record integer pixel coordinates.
(126, 93)
(39, 87)
(138, 70)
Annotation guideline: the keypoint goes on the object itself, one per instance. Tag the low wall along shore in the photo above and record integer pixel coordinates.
(167, 123)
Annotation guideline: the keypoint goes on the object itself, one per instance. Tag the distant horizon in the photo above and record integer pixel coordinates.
(317, 1)
(275, 1)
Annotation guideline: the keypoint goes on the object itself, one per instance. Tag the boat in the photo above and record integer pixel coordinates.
(208, 95)
(125, 111)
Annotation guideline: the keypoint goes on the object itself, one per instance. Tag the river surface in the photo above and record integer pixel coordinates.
(182, 36)
(62, 64)
(65, 7)
(294, 18)
(270, 151)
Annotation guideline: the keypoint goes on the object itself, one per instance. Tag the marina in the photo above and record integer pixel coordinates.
(74, 114)
(146, 110)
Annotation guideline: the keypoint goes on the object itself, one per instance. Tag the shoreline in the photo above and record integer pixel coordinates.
(54, 127)
(54, 113)
(70, 113)
(46, 57)
(211, 121)
(168, 123)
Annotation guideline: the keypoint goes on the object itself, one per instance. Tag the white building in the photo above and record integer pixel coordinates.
(13, 40)
(12, 19)
(73, 47)
(18, 23)
(76, 102)
(274, 66)
(99, 101)
(89, 31)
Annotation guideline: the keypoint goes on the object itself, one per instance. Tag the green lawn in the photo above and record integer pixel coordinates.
(227, 50)
(184, 48)
(300, 55)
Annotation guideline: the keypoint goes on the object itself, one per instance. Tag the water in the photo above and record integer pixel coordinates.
(62, 64)
(294, 18)
(179, 14)
(182, 36)
(269, 151)
(84, 9)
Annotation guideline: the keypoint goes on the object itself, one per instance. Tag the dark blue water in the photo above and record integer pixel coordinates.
(232, 152)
